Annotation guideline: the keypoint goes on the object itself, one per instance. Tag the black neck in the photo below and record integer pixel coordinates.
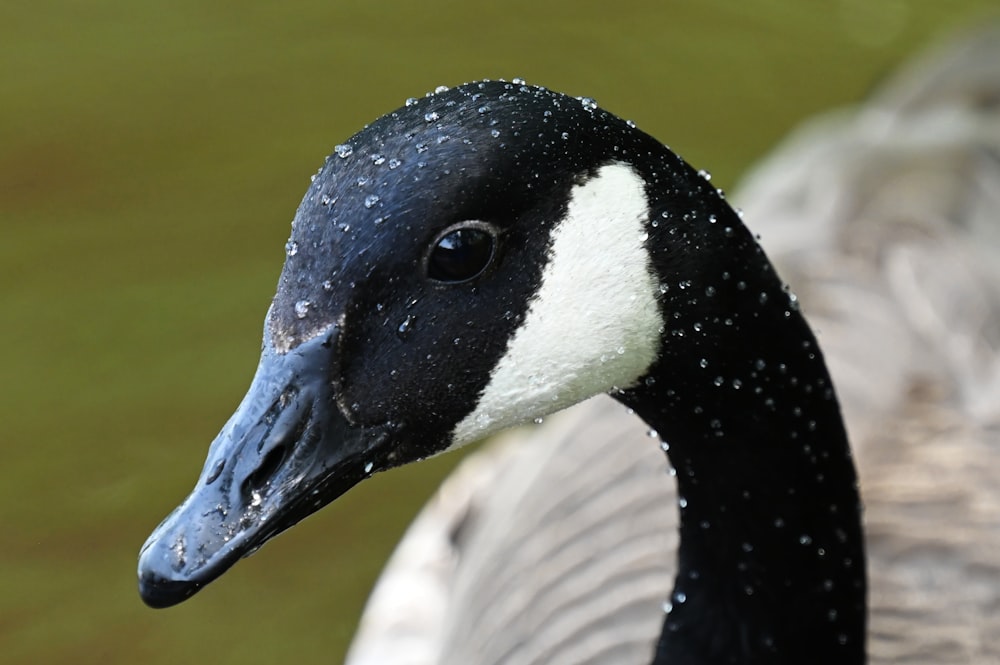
(771, 565)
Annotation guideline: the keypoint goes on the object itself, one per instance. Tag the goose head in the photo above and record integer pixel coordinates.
(480, 258)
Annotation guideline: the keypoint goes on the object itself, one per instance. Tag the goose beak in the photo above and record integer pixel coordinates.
(285, 453)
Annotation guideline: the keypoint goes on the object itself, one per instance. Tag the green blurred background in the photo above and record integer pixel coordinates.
(151, 157)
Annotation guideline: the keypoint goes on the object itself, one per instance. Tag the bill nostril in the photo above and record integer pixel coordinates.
(262, 475)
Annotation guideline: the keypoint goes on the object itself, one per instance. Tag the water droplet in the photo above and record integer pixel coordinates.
(369, 467)
(712, 219)
(703, 363)
(371, 200)
(652, 433)
(326, 200)
(539, 420)
(683, 503)
(704, 174)
(588, 103)
(517, 81)
(378, 159)
(394, 163)
(421, 147)
(255, 499)
(762, 298)
(405, 326)
(291, 248)
(805, 539)
(495, 133)
(302, 308)
(410, 101)
(718, 381)
(630, 124)
(328, 285)
(343, 150)
(432, 116)
(441, 88)
(737, 384)
(680, 597)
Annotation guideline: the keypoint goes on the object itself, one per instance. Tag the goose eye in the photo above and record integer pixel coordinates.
(461, 253)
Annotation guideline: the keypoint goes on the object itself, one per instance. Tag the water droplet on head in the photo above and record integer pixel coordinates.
(588, 103)
(406, 325)
(441, 88)
(371, 200)
(410, 101)
(432, 116)
(704, 174)
(369, 467)
(291, 248)
(343, 150)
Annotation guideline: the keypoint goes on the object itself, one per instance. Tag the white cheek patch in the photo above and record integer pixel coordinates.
(593, 325)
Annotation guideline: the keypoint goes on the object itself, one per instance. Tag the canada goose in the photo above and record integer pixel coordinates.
(495, 252)
(885, 221)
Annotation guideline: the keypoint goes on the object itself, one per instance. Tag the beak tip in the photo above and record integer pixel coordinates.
(159, 592)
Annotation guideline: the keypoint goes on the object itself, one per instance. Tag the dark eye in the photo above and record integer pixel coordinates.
(463, 252)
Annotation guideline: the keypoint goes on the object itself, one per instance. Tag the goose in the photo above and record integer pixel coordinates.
(884, 218)
(495, 252)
